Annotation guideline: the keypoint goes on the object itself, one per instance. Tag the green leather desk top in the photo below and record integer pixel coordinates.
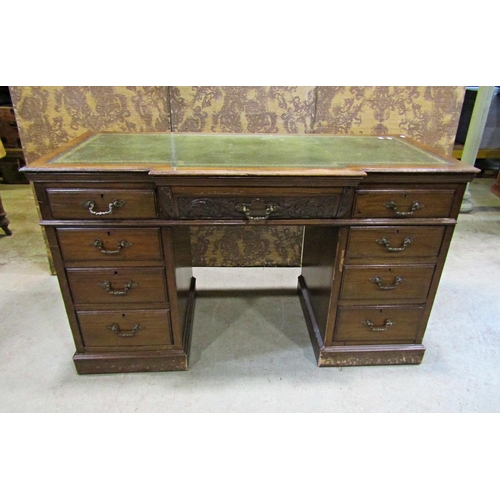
(234, 151)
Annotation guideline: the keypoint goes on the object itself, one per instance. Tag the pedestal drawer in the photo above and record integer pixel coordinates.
(125, 329)
(99, 204)
(117, 286)
(394, 242)
(109, 244)
(381, 283)
(404, 203)
(378, 325)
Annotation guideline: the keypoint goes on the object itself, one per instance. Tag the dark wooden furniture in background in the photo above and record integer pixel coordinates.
(13, 160)
(379, 213)
(11, 153)
(4, 222)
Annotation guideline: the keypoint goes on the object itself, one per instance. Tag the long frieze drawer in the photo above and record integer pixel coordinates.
(378, 324)
(122, 285)
(386, 282)
(125, 328)
(401, 204)
(259, 208)
(255, 203)
(394, 242)
(109, 244)
(97, 204)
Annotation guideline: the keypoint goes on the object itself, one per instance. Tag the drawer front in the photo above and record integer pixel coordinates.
(123, 285)
(381, 283)
(260, 203)
(109, 244)
(394, 242)
(125, 329)
(376, 325)
(403, 204)
(267, 207)
(97, 204)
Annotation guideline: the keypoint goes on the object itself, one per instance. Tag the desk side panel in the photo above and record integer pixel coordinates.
(320, 253)
(178, 258)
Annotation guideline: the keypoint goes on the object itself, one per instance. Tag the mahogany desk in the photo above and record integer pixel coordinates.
(378, 213)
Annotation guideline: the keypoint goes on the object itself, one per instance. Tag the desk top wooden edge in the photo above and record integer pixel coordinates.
(43, 164)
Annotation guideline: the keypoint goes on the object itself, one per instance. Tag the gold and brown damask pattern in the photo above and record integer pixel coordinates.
(428, 115)
(50, 116)
(262, 110)
(247, 246)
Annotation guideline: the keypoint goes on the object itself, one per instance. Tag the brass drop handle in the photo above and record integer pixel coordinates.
(257, 210)
(416, 205)
(99, 245)
(90, 204)
(128, 285)
(115, 328)
(379, 282)
(369, 324)
(386, 243)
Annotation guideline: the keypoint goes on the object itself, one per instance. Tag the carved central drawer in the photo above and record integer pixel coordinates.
(122, 285)
(97, 204)
(255, 203)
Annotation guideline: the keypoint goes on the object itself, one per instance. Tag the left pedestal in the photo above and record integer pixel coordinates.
(125, 278)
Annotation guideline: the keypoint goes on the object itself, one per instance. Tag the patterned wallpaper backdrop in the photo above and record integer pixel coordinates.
(50, 116)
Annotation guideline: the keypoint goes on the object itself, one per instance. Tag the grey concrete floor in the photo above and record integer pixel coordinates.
(251, 351)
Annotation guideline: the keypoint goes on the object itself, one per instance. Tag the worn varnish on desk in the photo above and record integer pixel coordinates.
(378, 214)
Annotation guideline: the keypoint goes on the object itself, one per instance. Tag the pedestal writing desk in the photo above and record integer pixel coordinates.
(378, 213)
